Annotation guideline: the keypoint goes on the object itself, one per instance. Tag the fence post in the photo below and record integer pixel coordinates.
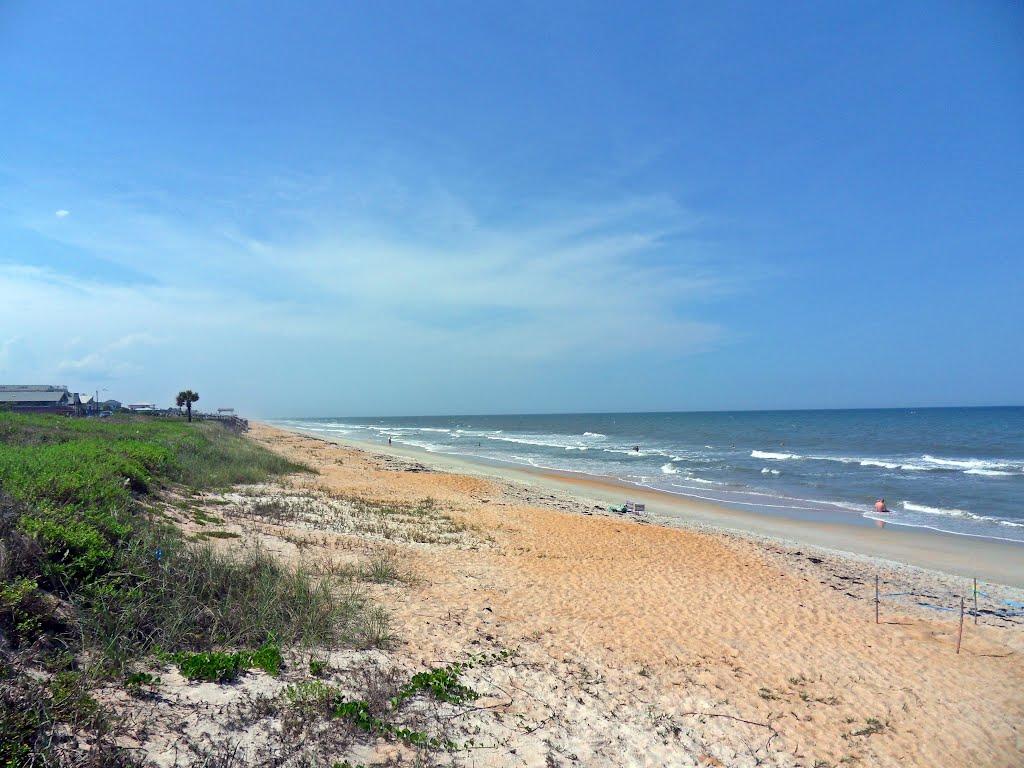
(960, 635)
(975, 601)
(876, 598)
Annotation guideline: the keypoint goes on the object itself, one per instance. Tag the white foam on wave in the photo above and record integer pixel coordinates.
(631, 452)
(773, 456)
(766, 471)
(926, 463)
(961, 513)
(702, 480)
(543, 441)
(668, 469)
(593, 434)
(911, 507)
(967, 464)
(878, 463)
(430, 447)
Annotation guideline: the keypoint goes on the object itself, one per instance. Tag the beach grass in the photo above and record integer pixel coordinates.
(91, 582)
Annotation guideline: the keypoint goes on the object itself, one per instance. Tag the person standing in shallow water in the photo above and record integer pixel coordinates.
(880, 507)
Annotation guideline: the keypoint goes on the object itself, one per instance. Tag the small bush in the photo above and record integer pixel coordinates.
(211, 666)
(268, 658)
(220, 667)
(141, 683)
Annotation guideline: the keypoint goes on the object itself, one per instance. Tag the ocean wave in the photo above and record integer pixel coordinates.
(878, 463)
(774, 456)
(593, 434)
(543, 441)
(668, 469)
(911, 507)
(961, 513)
(926, 463)
(631, 452)
(766, 471)
(967, 464)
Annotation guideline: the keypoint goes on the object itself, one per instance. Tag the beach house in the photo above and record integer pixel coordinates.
(40, 398)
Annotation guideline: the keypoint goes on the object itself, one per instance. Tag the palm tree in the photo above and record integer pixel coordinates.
(186, 397)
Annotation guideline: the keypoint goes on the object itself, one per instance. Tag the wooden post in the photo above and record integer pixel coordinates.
(876, 598)
(975, 601)
(960, 636)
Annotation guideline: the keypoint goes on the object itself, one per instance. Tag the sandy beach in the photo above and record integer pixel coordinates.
(989, 560)
(646, 644)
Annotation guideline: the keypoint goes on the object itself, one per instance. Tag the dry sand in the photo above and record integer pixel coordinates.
(645, 645)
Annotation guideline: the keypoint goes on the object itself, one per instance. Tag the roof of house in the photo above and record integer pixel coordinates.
(33, 387)
(32, 395)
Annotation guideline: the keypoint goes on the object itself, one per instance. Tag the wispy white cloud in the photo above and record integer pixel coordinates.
(424, 278)
(107, 360)
(62, 213)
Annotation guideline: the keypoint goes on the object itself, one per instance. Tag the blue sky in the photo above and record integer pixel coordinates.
(400, 208)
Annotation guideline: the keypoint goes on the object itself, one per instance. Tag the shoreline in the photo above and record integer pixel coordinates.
(988, 559)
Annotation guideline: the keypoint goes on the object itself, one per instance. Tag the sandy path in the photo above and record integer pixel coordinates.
(674, 621)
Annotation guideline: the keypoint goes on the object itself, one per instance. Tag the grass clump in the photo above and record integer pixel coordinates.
(382, 568)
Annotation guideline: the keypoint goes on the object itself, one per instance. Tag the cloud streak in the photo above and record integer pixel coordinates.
(417, 277)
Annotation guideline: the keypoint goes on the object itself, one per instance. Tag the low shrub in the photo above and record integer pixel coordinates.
(221, 667)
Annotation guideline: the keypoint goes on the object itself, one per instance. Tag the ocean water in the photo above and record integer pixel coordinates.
(959, 470)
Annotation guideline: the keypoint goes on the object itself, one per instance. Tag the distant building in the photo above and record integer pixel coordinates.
(40, 398)
(141, 407)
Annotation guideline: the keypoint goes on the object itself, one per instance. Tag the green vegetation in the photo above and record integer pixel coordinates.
(220, 667)
(387, 715)
(87, 574)
(141, 683)
(98, 586)
(443, 684)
